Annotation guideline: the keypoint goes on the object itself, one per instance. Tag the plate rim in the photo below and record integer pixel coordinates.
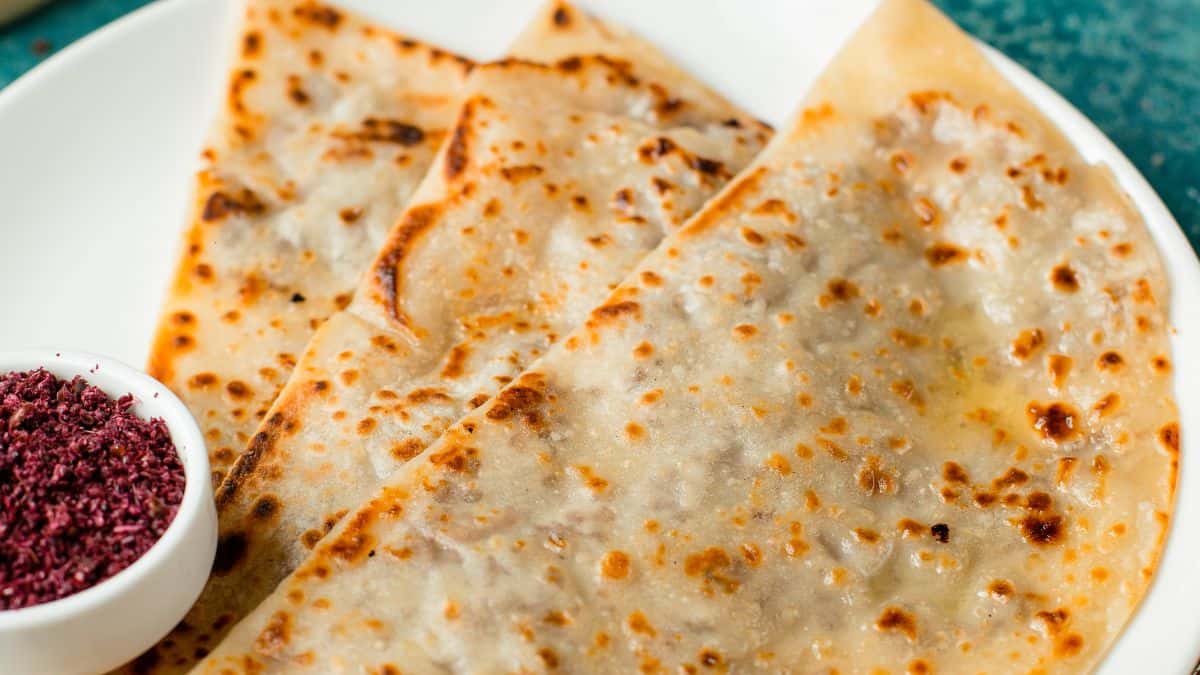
(1181, 264)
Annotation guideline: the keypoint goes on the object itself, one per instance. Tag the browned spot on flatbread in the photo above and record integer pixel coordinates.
(901, 161)
(711, 658)
(910, 529)
(744, 331)
(1065, 469)
(427, 394)
(238, 390)
(549, 658)
(415, 222)
(906, 339)
(953, 472)
(1011, 478)
(295, 92)
(241, 202)
(310, 538)
(774, 207)
(1169, 437)
(318, 14)
(354, 543)
(1059, 367)
(813, 116)
(894, 619)
(385, 343)
(753, 237)
(926, 211)
(458, 148)
(924, 100)
(705, 165)
(711, 565)
(275, 635)
(455, 362)
(1053, 620)
(389, 131)
(407, 449)
(251, 44)
(611, 312)
(265, 508)
(1039, 501)
(1107, 404)
(1064, 278)
(873, 477)
(514, 400)
(202, 381)
(1000, 589)
(644, 350)
(614, 565)
(943, 253)
(261, 444)
(517, 174)
(729, 199)
(650, 279)
(1057, 422)
(1111, 361)
(457, 458)
(570, 64)
(237, 85)
(638, 623)
(840, 290)
(231, 550)
(1043, 530)
(1068, 645)
(561, 16)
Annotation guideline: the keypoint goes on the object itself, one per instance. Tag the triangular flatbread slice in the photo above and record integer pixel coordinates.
(328, 125)
(899, 397)
(554, 182)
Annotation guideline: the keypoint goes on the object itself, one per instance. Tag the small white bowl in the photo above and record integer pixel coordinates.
(101, 627)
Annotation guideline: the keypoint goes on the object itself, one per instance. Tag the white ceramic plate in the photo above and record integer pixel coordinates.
(96, 149)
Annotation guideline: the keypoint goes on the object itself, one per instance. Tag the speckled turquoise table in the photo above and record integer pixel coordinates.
(1132, 67)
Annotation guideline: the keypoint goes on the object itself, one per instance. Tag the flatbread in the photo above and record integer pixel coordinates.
(554, 182)
(328, 125)
(899, 398)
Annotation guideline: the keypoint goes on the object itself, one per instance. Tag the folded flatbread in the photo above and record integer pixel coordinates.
(554, 182)
(328, 125)
(898, 398)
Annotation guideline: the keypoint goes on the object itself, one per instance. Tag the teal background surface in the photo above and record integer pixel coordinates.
(1132, 66)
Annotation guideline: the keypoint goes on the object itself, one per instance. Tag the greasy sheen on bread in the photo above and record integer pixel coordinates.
(898, 398)
(328, 124)
(559, 175)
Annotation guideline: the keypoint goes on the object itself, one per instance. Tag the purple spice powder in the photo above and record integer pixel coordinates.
(86, 486)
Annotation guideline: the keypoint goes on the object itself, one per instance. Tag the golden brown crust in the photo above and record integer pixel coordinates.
(905, 378)
(464, 292)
